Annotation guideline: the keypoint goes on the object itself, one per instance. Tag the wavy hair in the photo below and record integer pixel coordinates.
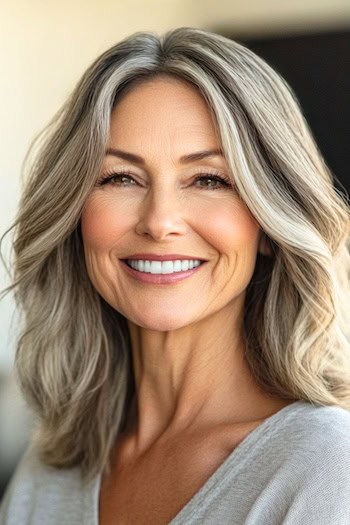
(73, 360)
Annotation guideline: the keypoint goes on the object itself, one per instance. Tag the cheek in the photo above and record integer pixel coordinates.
(102, 224)
(232, 228)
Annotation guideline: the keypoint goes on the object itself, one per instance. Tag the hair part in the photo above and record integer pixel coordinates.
(73, 359)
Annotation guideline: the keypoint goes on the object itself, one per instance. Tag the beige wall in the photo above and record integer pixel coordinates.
(45, 46)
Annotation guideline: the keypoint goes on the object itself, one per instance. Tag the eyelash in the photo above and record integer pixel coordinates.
(226, 182)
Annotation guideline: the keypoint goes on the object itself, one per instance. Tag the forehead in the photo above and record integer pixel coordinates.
(160, 83)
(162, 107)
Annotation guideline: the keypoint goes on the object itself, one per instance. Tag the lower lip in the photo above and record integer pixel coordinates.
(160, 278)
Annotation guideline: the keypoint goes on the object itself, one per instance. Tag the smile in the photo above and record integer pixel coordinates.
(163, 267)
(162, 272)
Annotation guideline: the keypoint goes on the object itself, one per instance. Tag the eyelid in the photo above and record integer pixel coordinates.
(108, 172)
(199, 170)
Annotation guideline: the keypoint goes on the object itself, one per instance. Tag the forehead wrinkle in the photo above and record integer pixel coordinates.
(170, 123)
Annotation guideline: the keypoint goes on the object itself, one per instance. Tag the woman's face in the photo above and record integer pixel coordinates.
(167, 203)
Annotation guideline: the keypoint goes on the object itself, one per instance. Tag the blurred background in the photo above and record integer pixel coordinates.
(46, 46)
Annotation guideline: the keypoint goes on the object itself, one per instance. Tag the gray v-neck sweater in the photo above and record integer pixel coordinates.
(294, 468)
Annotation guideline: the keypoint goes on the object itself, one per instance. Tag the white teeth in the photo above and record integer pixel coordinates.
(163, 267)
(177, 266)
(156, 266)
(184, 265)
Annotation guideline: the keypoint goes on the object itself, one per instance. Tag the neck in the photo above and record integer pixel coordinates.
(191, 378)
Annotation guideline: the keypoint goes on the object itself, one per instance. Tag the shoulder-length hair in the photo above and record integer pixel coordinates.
(73, 356)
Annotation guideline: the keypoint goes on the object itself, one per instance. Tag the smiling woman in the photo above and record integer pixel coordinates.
(182, 261)
(176, 196)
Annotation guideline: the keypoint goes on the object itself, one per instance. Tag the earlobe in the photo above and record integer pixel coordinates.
(264, 247)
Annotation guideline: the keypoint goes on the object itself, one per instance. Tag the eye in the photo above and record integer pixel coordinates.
(124, 179)
(216, 182)
(116, 179)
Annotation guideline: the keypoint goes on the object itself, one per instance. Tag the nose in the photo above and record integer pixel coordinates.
(161, 216)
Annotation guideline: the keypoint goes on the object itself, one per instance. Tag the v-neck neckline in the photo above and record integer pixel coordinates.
(258, 433)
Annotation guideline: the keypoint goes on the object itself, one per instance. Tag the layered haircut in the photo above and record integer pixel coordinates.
(73, 359)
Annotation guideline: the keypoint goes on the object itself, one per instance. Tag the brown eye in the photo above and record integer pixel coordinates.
(216, 182)
(116, 179)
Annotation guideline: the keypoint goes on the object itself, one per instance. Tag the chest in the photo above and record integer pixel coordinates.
(147, 497)
(153, 490)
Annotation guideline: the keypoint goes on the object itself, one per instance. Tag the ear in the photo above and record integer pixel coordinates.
(264, 246)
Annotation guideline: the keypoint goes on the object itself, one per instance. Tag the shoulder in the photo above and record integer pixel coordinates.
(38, 493)
(307, 424)
(297, 467)
(32, 472)
(315, 446)
(310, 434)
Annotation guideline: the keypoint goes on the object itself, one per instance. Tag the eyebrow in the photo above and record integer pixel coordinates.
(191, 157)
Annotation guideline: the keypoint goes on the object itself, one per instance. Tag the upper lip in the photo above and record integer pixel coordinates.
(168, 257)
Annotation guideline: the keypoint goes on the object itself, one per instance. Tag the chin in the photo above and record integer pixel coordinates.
(160, 323)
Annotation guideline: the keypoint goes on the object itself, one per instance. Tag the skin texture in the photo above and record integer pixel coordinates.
(187, 342)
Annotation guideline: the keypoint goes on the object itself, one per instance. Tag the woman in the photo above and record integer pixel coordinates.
(182, 263)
